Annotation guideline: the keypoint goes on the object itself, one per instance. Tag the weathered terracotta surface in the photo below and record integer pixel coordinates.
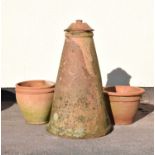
(78, 109)
(124, 102)
(35, 100)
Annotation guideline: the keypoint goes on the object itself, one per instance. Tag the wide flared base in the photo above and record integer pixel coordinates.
(108, 130)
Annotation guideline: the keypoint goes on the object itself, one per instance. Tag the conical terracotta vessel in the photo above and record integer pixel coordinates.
(78, 109)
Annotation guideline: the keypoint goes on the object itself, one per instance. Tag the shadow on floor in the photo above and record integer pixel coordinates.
(7, 98)
(143, 110)
(108, 107)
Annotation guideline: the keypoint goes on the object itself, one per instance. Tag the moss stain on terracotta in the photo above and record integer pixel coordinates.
(79, 133)
(81, 118)
(60, 97)
(55, 117)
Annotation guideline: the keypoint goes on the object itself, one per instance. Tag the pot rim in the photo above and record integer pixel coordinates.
(34, 92)
(28, 85)
(136, 91)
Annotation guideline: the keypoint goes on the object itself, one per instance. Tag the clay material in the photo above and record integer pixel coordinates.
(78, 109)
(124, 102)
(35, 100)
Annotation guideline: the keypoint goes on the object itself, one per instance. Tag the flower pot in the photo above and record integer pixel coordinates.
(124, 102)
(35, 100)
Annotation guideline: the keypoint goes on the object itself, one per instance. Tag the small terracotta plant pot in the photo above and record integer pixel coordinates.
(35, 100)
(124, 102)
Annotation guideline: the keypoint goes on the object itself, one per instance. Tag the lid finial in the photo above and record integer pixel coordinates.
(78, 25)
(78, 21)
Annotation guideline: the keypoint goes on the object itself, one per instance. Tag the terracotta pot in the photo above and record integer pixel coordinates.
(35, 100)
(124, 102)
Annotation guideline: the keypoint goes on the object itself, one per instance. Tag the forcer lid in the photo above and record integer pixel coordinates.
(79, 26)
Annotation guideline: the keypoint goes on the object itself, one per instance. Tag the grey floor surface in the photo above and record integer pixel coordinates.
(19, 138)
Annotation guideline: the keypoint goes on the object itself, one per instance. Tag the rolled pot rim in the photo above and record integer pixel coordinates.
(25, 84)
(137, 91)
(44, 91)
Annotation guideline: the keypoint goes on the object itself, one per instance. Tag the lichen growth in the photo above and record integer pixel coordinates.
(69, 132)
(55, 117)
(79, 133)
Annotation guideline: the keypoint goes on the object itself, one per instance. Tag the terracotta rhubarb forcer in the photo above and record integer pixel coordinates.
(35, 100)
(78, 109)
(124, 102)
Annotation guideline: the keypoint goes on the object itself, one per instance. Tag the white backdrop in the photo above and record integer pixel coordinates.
(33, 38)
